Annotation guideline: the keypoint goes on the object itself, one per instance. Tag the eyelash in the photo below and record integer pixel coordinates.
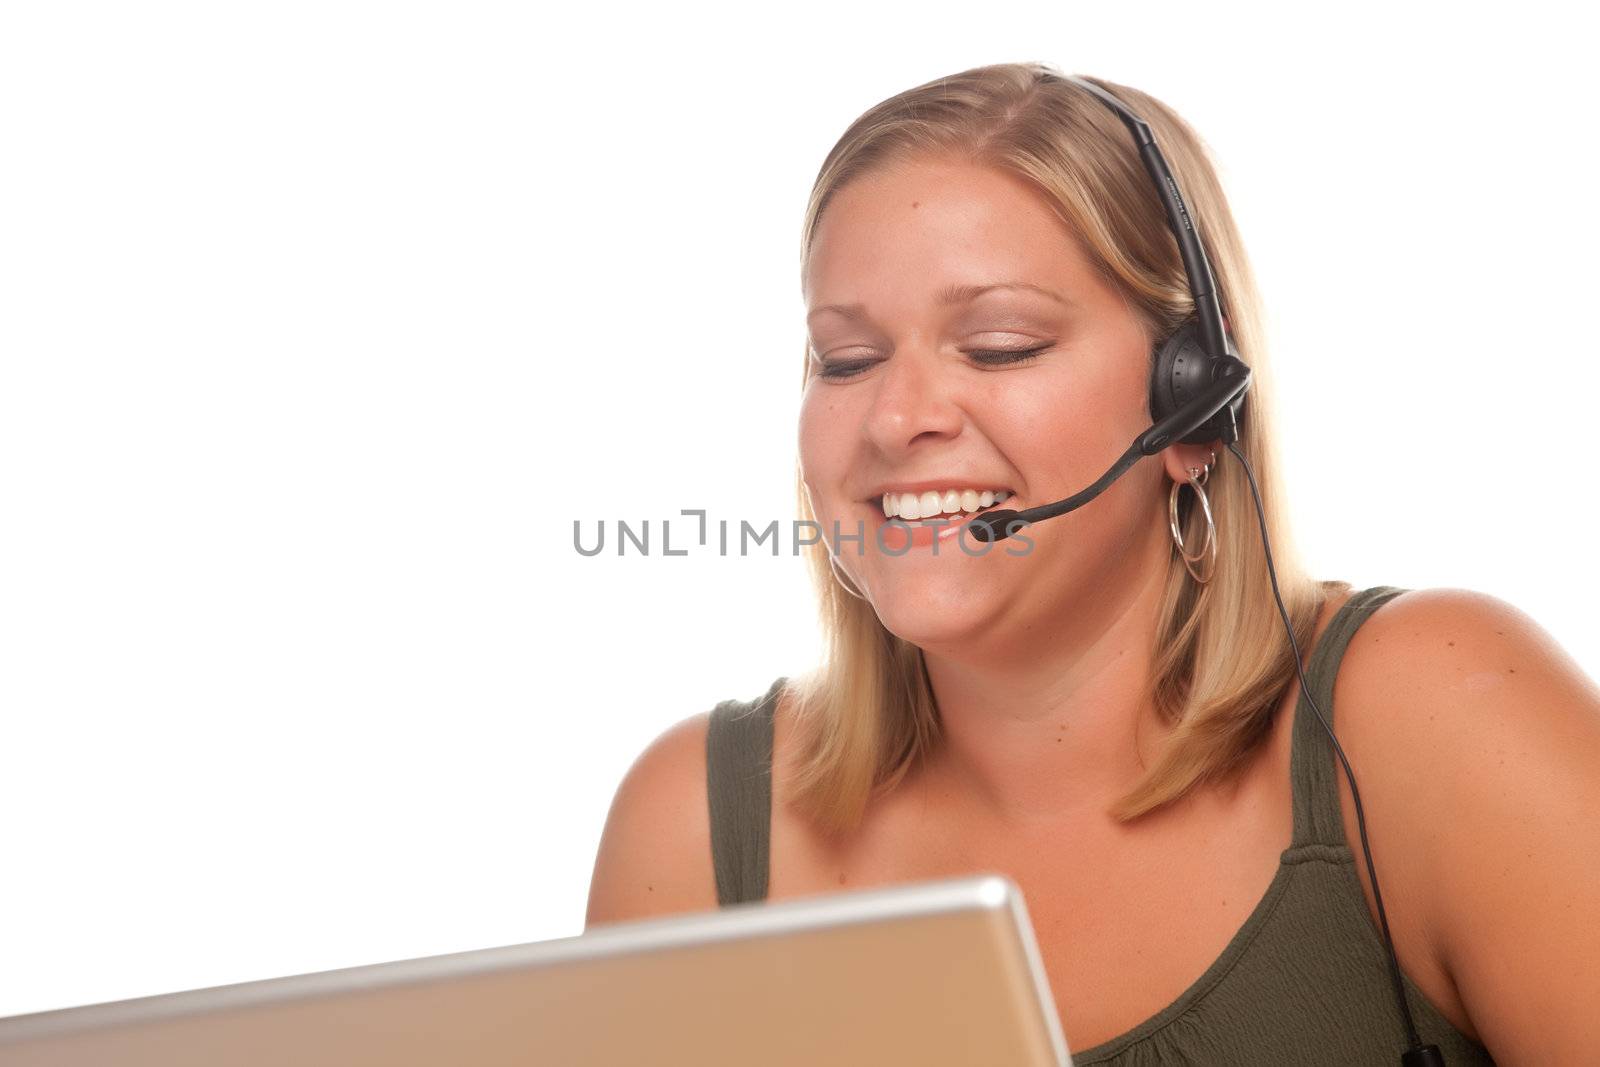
(1000, 357)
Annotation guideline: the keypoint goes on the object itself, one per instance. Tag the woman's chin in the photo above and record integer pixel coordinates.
(934, 612)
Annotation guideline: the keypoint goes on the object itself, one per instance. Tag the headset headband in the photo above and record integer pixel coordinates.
(1202, 286)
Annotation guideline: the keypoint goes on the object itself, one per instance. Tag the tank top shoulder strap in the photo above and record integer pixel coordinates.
(1314, 770)
(739, 792)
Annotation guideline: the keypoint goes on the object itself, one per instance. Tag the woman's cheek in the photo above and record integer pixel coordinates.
(822, 452)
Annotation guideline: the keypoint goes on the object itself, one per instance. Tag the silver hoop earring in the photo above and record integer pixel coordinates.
(839, 577)
(1197, 480)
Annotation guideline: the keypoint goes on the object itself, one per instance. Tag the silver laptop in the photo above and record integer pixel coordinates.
(932, 973)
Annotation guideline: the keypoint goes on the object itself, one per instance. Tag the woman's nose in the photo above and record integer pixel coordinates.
(914, 399)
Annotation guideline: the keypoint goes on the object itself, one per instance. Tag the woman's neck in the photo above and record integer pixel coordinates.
(1059, 731)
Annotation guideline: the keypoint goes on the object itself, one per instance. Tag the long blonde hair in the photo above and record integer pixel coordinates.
(865, 715)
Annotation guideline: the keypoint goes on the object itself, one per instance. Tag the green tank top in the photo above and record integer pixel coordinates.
(1305, 980)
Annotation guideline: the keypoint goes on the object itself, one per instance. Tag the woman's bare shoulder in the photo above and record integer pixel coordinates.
(1451, 670)
(654, 856)
(1476, 742)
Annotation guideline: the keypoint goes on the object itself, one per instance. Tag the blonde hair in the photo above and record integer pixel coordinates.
(865, 715)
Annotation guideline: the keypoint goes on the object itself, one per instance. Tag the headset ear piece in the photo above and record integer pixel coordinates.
(1182, 371)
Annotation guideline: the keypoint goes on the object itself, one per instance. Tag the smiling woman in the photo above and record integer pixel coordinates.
(992, 286)
(945, 228)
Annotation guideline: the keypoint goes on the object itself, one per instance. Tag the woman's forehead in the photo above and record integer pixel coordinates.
(945, 232)
(941, 258)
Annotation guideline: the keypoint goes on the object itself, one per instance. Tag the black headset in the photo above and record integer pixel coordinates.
(1197, 392)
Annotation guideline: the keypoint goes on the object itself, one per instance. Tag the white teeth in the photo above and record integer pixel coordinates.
(927, 505)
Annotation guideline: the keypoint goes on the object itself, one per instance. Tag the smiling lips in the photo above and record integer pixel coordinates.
(934, 504)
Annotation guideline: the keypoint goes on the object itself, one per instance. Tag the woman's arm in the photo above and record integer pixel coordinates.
(1480, 738)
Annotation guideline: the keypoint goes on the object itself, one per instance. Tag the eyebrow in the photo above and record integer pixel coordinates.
(948, 296)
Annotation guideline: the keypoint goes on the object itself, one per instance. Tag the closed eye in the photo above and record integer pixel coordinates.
(1003, 356)
(989, 357)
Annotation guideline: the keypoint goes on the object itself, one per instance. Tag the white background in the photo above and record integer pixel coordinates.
(321, 322)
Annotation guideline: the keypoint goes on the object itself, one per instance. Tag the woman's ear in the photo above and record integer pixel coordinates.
(1179, 458)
